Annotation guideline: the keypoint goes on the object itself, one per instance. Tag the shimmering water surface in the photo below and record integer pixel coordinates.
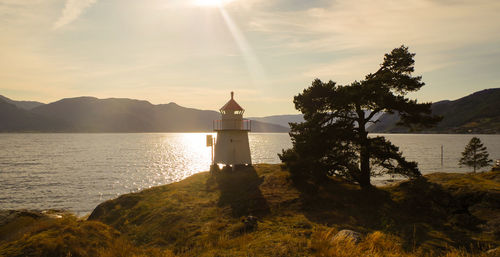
(78, 171)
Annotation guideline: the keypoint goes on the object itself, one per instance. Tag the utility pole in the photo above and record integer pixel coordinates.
(442, 151)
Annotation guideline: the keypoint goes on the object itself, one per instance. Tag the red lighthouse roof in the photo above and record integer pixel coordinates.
(231, 105)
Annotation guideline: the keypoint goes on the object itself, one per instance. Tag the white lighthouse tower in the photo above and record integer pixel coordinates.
(232, 146)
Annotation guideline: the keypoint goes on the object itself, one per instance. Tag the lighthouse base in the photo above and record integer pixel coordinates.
(232, 148)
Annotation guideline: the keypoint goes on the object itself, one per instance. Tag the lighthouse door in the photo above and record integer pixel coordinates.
(235, 144)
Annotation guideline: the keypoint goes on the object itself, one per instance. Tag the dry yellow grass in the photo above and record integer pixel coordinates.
(201, 216)
(375, 244)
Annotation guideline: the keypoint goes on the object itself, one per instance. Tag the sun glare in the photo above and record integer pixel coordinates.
(211, 3)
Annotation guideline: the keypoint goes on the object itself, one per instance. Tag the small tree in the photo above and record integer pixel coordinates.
(475, 155)
(333, 140)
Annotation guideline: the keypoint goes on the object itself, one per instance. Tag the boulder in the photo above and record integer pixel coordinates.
(347, 235)
(250, 223)
(493, 252)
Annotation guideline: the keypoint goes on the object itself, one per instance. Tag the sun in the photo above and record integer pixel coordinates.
(211, 3)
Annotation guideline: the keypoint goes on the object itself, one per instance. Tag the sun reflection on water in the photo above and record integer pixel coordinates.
(79, 171)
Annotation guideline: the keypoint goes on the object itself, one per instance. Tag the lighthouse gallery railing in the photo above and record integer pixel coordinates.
(232, 125)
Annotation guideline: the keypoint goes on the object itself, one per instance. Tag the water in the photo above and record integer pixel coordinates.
(78, 171)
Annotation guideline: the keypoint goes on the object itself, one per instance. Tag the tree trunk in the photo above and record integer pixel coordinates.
(364, 153)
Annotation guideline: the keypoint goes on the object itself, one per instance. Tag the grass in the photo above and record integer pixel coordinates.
(65, 236)
(30, 234)
(441, 215)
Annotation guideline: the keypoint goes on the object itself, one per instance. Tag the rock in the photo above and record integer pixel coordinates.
(493, 252)
(53, 214)
(347, 235)
(250, 223)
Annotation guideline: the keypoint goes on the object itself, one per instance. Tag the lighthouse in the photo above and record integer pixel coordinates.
(231, 147)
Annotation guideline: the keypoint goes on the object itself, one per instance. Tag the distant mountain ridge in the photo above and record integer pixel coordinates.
(476, 113)
(15, 119)
(282, 120)
(90, 114)
(26, 105)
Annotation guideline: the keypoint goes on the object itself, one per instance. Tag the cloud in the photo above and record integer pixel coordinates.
(18, 15)
(375, 23)
(72, 10)
(354, 35)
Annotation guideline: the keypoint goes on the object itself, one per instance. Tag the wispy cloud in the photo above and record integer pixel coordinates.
(355, 34)
(371, 24)
(72, 10)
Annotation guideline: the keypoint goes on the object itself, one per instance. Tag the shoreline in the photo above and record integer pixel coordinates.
(203, 214)
(377, 182)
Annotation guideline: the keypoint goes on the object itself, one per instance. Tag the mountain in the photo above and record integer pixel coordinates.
(475, 113)
(90, 114)
(281, 120)
(13, 118)
(26, 105)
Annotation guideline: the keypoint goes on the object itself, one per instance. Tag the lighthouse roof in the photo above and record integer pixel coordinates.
(231, 105)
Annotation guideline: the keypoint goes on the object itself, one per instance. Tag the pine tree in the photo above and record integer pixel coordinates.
(475, 155)
(333, 140)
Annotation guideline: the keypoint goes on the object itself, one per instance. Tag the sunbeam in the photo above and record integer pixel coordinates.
(252, 62)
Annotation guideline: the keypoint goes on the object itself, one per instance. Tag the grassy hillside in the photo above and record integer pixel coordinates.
(441, 214)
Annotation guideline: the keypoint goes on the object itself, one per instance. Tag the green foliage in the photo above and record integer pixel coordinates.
(475, 155)
(333, 140)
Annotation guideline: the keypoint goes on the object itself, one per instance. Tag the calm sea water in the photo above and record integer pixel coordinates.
(78, 171)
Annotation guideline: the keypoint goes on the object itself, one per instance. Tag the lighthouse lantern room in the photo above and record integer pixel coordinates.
(232, 147)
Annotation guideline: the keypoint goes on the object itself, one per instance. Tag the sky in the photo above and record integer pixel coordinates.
(195, 52)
